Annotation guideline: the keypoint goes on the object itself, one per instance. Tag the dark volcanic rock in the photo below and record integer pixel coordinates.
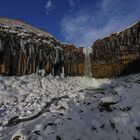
(117, 54)
(25, 49)
(73, 60)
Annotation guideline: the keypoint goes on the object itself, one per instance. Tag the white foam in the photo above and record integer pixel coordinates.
(94, 83)
(87, 70)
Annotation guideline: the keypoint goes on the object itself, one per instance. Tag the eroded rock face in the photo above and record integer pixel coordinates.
(117, 54)
(73, 60)
(25, 49)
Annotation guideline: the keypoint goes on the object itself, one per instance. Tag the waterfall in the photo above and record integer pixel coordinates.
(87, 81)
(87, 70)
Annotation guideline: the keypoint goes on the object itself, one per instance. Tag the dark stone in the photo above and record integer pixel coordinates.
(25, 49)
(58, 138)
(112, 124)
(126, 109)
(117, 54)
(138, 128)
(69, 118)
(37, 132)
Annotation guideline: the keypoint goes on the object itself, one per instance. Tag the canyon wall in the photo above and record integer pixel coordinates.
(25, 50)
(73, 60)
(117, 54)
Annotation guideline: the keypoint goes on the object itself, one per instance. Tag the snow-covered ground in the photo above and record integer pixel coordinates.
(75, 108)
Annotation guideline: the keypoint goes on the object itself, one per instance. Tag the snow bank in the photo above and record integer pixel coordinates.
(98, 109)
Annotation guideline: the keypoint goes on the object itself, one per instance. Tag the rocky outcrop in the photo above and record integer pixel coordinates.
(117, 54)
(73, 60)
(25, 49)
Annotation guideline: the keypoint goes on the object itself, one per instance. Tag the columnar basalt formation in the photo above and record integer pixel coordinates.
(73, 60)
(117, 54)
(25, 49)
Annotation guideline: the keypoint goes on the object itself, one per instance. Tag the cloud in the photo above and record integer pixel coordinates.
(71, 2)
(87, 25)
(72, 5)
(49, 6)
(108, 4)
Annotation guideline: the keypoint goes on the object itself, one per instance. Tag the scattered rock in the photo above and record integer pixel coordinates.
(58, 138)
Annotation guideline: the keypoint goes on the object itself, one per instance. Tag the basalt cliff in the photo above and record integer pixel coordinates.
(25, 49)
(117, 54)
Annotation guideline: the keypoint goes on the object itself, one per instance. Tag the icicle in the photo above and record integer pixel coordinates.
(30, 51)
(63, 73)
(40, 56)
(62, 57)
(57, 56)
(32, 48)
(22, 45)
(37, 69)
(87, 71)
(41, 72)
(53, 71)
(1, 46)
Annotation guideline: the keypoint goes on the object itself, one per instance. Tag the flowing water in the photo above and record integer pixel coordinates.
(87, 70)
(88, 81)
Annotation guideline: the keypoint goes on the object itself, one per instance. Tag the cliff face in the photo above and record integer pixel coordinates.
(117, 54)
(25, 49)
(73, 60)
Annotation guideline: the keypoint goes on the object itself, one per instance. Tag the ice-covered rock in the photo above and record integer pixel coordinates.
(32, 107)
(110, 100)
(25, 49)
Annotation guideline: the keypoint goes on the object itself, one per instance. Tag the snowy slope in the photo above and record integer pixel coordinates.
(26, 31)
(47, 108)
(13, 23)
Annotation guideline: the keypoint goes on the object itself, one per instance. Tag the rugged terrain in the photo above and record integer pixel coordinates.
(75, 108)
(25, 49)
(55, 107)
(117, 54)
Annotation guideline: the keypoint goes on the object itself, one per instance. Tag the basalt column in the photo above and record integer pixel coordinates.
(25, 49)
(73, 60)
(117, 54)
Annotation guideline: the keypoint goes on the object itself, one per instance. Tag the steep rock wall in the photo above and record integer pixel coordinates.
(73, 60)
(117, 54)
(26, 50)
